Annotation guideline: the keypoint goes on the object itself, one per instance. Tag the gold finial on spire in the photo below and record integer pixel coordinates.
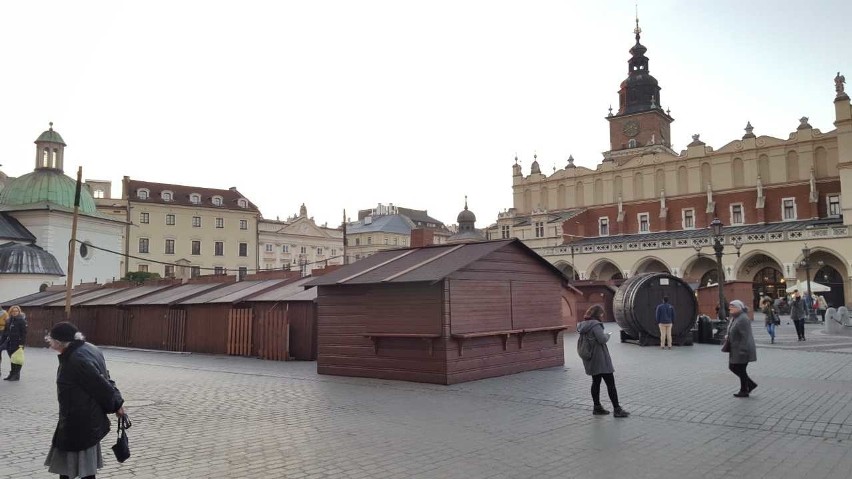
(637, 30)
(465, 201)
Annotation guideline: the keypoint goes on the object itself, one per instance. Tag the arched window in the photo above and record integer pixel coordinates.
(54, 158)
(821, 169)
(659, 182)
(527, 200)
(631, 143)
(598, 191)
(638, 186)
(45, 158)
(579, 194)
(705, 175)
(542, 198)
(737, 172)
(792, 166)
(763, 168)
(217, 201)
(560, 196)
(142, 193)
(617, 189)
(167, 195)
(195, 198)
(242, 203)
(682, 181)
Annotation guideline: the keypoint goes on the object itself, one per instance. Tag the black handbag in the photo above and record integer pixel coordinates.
(121, 448)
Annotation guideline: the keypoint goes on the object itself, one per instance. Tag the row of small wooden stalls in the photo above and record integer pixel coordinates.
(271, 319)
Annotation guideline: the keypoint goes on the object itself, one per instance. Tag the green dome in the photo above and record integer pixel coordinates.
(45, 185)
(51, 136)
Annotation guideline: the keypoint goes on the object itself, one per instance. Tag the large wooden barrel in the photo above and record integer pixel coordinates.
(635, 304)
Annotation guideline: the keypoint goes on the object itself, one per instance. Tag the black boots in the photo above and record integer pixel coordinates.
(599, 410)
(15, 374)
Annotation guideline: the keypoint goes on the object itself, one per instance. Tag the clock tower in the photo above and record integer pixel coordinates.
(640, 120)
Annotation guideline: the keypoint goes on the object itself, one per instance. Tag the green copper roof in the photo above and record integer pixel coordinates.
(46, 186)
(51, 136)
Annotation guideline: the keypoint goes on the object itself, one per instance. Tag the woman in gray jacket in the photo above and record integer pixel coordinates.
(742, 349)
(599, 367)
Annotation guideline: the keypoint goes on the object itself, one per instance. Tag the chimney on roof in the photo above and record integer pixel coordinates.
(422, 237)
(233, 188)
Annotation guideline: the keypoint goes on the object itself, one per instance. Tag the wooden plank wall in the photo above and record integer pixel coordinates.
(302, 319)
(175, 330)
(207, 328)
(239, 331)
(346, 313)
(271, 334)
(148, 325)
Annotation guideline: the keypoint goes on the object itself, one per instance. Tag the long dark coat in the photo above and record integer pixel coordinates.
(741, 340)
(15, 332)
(86, 395)
(601, 362)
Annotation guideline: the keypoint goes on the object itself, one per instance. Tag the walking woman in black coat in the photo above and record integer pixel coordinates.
(86, 395)
(15, 336)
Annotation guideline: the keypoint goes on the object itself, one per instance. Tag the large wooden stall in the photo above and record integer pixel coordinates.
(442, 314)
(107, 317)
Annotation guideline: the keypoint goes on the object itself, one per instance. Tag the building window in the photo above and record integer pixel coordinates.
(788, 207)
(242, 273)
(405, 241)
(539, 229)
(285, 249)
(220, 222)
(143, 268)
(688, 218)
(243, 250)
(143, 245)
(386, 240)
(833, 205)
(603, 226)
(369, 240)
(196, 247)
(218, 270)
(631, 143)
(195, 199)
(242, 203)
(644, 222)
(396, 240)
(243, 224)
(219, 248)
(737, 214)
(269, 247)
(504, 231)
(195, 271)
(303, 250)
(169, 271)
(196, 222)
(170, 246)
(170, 219)
(217, 201)
(334, 251)
(167, 196)
(144, 217)
(319, 251)
(98, 194)
(142, 194)
(357, 241)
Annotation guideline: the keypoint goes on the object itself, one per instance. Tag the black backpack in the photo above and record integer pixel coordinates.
(585, 347)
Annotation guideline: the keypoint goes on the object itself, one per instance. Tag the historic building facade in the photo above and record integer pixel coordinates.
(388, 227)
(646, 207)
(298, 243)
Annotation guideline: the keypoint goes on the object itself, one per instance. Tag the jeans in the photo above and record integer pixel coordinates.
(665, 334)
(770, 328)
(745, 381)
(609, 379)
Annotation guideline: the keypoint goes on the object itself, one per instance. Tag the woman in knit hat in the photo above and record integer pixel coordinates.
(742, 349)
(86, 395)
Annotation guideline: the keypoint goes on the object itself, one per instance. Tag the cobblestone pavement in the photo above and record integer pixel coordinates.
(198, 416)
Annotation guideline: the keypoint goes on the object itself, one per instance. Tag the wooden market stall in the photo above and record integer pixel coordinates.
(441, 314)
(285, 325)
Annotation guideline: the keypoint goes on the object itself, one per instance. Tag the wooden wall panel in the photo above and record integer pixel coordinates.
(536, 305)
(480, 306)
(207, 328)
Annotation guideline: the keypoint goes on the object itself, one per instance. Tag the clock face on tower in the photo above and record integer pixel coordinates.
(631, 128)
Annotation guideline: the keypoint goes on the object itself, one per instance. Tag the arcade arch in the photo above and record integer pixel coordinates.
(651, 265)
(567, 269)
(604, 270)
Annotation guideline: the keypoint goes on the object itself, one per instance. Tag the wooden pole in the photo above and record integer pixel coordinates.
(72, 245)
(345, 253)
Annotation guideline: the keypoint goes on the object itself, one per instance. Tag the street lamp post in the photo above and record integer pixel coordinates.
(718, 247)
(806, 262)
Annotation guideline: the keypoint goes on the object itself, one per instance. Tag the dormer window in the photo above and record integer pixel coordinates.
(195, 198)
(631, 143)
(167, 196)
(142, 193)
(242, 203)
(217, 201)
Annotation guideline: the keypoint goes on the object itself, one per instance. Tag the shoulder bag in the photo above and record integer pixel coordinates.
(121, 448)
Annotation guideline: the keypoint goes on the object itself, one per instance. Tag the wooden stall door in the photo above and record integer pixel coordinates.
(121, 332)
(239, 331)
(176, 330)
(274, 335)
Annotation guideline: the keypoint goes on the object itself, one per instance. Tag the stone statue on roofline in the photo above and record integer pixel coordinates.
(839, 80)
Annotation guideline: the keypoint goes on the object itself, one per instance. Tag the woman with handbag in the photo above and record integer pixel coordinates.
(599, 365)
(15, 337)
(86, 395)
(740, 347)
(769, 318)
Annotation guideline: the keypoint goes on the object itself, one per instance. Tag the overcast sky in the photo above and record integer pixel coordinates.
(346, 104)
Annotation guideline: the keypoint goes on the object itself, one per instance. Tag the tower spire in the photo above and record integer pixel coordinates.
(637, 30)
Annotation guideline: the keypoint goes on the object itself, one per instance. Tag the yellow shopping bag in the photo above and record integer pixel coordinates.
(18, 356)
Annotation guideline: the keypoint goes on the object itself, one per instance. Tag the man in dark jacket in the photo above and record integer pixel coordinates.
(86, 395)
(665, 318)
(798, 314)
